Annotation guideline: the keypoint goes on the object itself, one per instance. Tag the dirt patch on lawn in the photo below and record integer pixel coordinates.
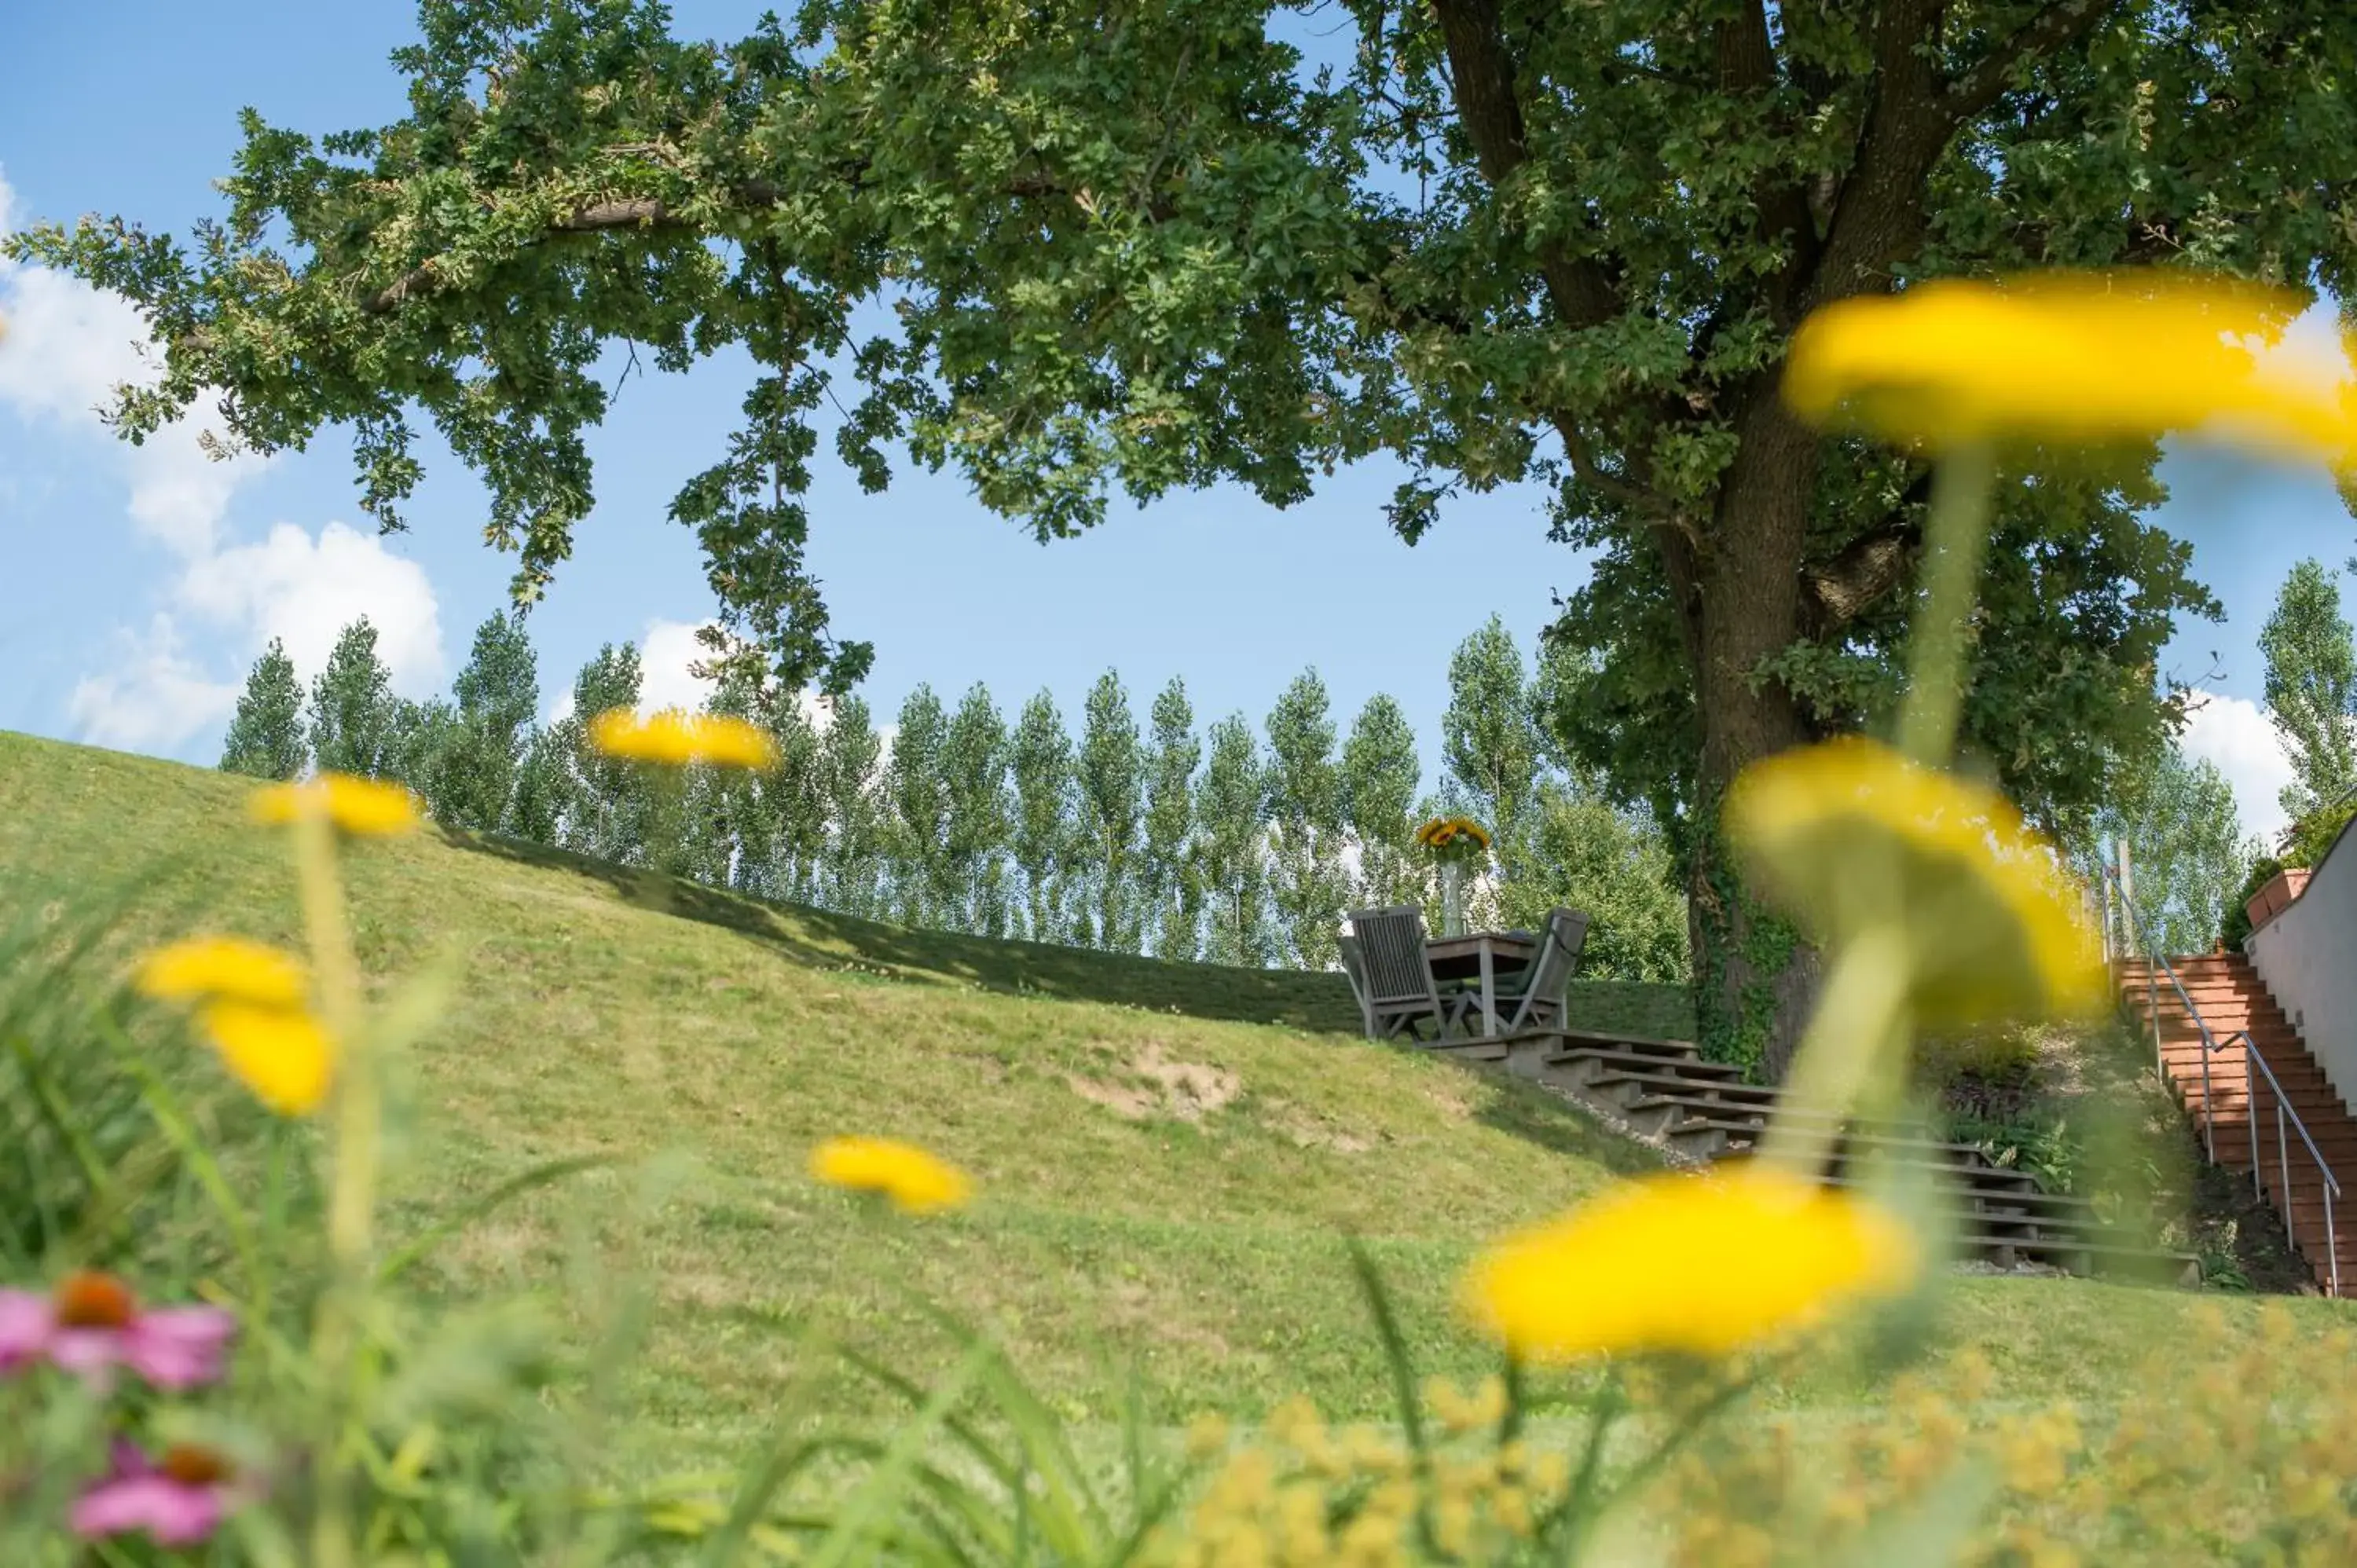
(1153, 1083)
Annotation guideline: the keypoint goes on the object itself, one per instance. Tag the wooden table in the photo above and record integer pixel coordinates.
(1481, 956)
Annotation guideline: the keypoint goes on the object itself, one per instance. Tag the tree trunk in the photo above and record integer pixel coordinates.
(1754, 979)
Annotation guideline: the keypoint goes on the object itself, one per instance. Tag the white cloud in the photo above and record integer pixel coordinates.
(2234, 734)
(154, 699)
(665, 651)
(304, 591)
(67, 347)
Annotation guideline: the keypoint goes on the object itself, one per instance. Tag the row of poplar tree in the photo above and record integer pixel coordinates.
(1228, 844)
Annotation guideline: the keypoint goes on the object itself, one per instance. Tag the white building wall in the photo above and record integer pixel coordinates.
(2307, 955)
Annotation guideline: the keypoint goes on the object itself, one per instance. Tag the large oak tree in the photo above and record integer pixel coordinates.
(1143, 244)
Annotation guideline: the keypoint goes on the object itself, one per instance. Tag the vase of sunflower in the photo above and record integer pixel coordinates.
(1455, 843)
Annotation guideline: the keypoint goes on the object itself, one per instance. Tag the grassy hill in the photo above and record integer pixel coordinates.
(1167, 1154)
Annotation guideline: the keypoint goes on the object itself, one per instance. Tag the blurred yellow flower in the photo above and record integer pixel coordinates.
(916, 1182)
(2075, 357)
(1701, 1264)
(675, 739)
(282, 1054)
(1852, 837)
(359, 806)
(210, 969)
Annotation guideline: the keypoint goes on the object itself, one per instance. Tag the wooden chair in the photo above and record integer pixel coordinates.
(1537, 998)
(1400, 991)
(1355, 967)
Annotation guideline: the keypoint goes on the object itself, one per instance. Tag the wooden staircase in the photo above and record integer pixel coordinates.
(2233, 999)
(1704, 1110)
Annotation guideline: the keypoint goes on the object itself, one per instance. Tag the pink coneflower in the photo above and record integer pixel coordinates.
(177, 1501)
(91, 1323)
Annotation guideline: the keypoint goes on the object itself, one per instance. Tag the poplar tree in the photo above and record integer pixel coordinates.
(354, 716)
(1232, 845)
(919, 796)
(605, 812)
(265, 739)
(975, 833)
(1380, 774)
(1044, 835)
(856, 829)
(1169, 877)
(1305, 806)
(498, 692)
(2311, 689)
(1111, 796)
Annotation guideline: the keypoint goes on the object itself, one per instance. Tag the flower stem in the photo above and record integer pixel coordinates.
(351, 1198)
(1863, 1010)
(1955, 540)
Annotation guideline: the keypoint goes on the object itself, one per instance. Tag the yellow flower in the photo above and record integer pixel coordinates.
(282, 1054)
(916, 1181)
(359, 806)
(1702, 1265)
(1852, 837)
(675, 739)
(1442, 831)
(224, 969)
(2084, 356)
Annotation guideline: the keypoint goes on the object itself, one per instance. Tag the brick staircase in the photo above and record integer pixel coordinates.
(2233, 999)
(1704, 1110)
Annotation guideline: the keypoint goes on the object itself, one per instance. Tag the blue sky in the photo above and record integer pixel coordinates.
(138, 586)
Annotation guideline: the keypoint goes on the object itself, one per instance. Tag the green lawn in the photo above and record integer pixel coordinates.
(1168, 1154)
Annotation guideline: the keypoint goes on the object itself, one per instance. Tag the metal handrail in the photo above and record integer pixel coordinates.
(2157, 964)
(2251, 1058)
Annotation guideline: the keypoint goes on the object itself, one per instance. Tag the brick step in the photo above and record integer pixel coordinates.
(1589, 1040)
(1712, 1137)
(1968, 1168)
(1589, 1062)
(2313, 1105)
(2083, 1247)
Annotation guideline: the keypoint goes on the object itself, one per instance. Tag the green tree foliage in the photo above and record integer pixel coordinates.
(1562, 244)
(922, 887)
(543, 789)
(1585, 854)
(979, 821)
(1112, 780)
(356, 721)
(265, 738)
(1230, 848)
(1042, 765)
(1171, 888)
(793, 800)
(605, 809)
(420, 750)
(1380, 774)
(858, 839)
(497, 693)
(1308, 883)
(1490, 741)
(2186, 851)
(2311, 689)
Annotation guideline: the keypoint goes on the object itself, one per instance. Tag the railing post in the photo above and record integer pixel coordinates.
(2209, 1108)
(2283, 1159)
(2251, 1112)
(2331, 1237)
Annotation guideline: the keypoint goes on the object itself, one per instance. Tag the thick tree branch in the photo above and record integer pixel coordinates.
(1867, 568)
(2054, 26)
(1482, 74)
(1879, 215)
(654, 213)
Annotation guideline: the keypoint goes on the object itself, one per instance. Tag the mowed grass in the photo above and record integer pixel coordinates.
(1169, 1155)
